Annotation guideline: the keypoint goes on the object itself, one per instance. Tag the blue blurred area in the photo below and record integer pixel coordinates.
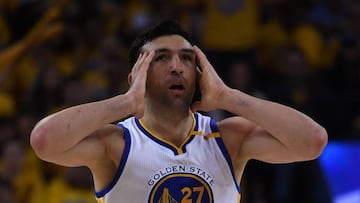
(340, 163)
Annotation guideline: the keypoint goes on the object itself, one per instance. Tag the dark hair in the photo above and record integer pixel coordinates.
(164, 28)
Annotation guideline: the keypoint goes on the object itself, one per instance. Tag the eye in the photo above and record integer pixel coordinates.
(187, 57)
(161, 57)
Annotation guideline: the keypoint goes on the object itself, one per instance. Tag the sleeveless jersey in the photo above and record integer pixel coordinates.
(154, 170)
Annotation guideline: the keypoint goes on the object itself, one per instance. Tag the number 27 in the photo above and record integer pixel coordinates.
(188, 192)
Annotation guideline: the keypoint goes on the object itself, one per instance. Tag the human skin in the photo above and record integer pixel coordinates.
(264, 130)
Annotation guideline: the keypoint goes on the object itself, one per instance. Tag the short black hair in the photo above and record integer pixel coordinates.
(164, 28)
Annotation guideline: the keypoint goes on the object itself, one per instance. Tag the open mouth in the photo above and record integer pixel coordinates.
(177, 87)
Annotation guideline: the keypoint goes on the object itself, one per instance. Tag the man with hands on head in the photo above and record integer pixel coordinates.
(163, 150)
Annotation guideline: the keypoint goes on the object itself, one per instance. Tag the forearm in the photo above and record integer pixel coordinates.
(292, 128)
(58, 132)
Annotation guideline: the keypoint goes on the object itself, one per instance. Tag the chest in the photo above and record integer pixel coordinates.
(154, 170)
(197, 171)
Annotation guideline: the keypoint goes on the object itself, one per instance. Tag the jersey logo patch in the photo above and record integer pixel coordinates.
(181, 188)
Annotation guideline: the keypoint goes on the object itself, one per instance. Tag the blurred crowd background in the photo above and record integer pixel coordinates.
(58, 53)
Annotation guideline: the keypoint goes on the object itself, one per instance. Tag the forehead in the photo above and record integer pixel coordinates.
(171, 42)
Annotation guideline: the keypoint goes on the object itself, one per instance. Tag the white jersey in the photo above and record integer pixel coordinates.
(154, 170)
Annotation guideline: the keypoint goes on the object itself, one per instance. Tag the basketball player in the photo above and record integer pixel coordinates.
(164, 150)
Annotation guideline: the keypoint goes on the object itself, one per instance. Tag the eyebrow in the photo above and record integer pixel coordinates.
(161, 50)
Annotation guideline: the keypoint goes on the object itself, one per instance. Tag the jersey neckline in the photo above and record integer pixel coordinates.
(158, 139)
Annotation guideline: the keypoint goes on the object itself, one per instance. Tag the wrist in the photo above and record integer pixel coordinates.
(226, 98)
(234, 100)
(131, 102)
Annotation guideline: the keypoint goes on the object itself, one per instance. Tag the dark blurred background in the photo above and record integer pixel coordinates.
(58, 53)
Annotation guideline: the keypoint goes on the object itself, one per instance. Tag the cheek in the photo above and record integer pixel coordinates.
(153, 79)
(193, 75)
(152, 74)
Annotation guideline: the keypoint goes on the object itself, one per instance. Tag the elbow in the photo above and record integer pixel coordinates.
(319, 140)
(38, 141)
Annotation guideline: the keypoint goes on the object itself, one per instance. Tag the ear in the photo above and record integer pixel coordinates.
(130, 79)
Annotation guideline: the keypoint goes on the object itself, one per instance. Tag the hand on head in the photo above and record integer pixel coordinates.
(211, 85)
(137, 81)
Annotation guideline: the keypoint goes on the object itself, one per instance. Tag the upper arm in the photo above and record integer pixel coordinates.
(95, 149)
(245, 140)
(100, 152)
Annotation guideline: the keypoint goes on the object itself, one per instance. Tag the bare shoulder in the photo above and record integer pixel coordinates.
(112, 138)
(235, 124)
(111, 141)
(233, 131)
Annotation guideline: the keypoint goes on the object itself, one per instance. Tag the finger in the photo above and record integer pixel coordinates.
(137, 61)
(142, 65)
(148, 59)
(135, 69)
(198, 70)
(145, 62)
(202, 59)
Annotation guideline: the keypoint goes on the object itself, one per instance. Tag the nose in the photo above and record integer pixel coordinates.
(176, 67)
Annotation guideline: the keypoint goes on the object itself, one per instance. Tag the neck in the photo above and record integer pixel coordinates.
(171, 125)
